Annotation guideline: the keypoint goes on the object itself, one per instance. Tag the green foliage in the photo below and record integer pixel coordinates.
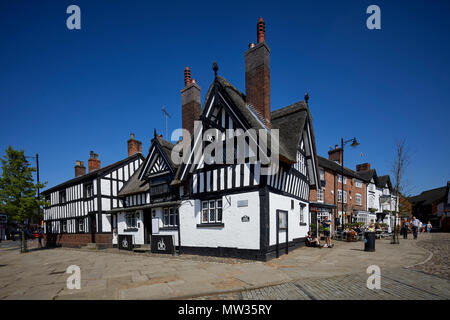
(18, 192)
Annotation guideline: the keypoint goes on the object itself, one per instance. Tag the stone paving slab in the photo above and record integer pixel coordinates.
(306, 273)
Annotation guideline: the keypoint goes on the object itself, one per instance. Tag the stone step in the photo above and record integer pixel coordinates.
(92, 246)
(142, 248)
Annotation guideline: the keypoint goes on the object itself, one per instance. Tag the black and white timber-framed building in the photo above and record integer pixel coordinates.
(205, 207)
(77, 214)
(227, 209)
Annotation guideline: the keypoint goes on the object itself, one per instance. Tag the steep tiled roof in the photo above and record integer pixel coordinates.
(134, 185)
(428, 197)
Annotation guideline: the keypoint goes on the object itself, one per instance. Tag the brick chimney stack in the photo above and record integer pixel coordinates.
(134, 145)
(257, 74)
(93, 162)
(335, 154)
(190, 103)
(80, 169)
(363, 167)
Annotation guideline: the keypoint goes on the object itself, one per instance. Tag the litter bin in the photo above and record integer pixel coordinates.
(369, 241)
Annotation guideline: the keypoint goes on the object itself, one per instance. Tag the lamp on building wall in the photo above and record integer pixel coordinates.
(354, 144)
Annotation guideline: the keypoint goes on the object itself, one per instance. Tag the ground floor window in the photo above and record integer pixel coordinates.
(302, 213)
(170, 217)
(324, 213)
(212, 211)
(131, 220)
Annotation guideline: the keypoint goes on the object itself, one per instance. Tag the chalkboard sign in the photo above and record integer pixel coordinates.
(125, 242)
(162, 244)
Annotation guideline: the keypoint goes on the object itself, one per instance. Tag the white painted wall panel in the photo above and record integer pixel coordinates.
(245, 235)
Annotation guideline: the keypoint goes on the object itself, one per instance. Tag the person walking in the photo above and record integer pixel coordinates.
(415, 226)
(405, 228)
(429, 226)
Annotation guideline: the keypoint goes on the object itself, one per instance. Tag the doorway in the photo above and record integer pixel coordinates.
(92, 226)
(282, 225)
(147, 220)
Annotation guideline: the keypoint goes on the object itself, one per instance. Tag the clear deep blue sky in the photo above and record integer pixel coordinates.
(64, 93)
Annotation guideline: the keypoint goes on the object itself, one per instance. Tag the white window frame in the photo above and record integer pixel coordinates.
(322, 174)
(131, 220)
(321, 195)
(340, 196)
(302, 212)
(358, 183)
(167, 214)
(212, 210)
(89, 189)
(81, 225)
(358, 196)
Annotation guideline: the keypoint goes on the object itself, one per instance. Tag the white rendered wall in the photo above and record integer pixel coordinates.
(234, 234)
(280, 202)
(159, 215)
(106, 223)
(138, 236)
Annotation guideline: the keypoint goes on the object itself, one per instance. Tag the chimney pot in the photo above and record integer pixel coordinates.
(80, 169)
(261, 30)
(187, 77)
(335, 154)
(257, 75)
(362, 167)
(93, 162)
(190, 104)
(134, 145)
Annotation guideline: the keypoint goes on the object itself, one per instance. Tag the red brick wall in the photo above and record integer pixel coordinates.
(331, 184)
(134, 146)
(77, 240)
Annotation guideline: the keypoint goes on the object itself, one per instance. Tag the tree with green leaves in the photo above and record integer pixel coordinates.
(19, 197)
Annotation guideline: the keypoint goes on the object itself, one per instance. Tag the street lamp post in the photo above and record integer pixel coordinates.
(354, 145)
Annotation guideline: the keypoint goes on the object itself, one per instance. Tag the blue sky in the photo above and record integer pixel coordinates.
(65, 92)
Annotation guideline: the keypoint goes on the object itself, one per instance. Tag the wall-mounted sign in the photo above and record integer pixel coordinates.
(162, 244)
(245, 219)
(282, 220)
(125, 242)
(242, 203)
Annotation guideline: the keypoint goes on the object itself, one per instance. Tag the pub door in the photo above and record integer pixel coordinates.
(147, 225)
